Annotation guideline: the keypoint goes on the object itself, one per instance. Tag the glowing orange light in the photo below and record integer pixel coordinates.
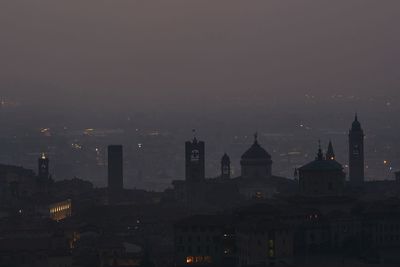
(189, 259)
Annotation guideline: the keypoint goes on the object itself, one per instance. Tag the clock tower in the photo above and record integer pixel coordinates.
(356, 154)
(195, 163)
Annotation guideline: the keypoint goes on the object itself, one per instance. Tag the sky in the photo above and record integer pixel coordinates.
(181, 54)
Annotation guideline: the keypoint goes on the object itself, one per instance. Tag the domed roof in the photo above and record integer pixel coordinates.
(322, 165)
(256, 152)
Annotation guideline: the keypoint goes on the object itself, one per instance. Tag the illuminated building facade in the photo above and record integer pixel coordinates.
(60, 210)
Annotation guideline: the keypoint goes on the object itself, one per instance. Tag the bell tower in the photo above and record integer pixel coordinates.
(356, 153)
(195, 160)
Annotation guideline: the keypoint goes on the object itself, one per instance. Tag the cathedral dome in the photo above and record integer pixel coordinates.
(256, 152)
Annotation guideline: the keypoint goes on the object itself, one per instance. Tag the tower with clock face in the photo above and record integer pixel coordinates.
(194, 158)
(356, 154)
(43, 166)
(225, 167)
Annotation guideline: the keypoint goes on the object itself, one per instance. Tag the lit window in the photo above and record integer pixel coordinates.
(189, 259)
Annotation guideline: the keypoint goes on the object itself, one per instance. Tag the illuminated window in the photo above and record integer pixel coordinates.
(189, 259)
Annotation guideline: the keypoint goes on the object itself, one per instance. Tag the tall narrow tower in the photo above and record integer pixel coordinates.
(115, 171)
(43, 166)
(195, 163)
(356, 154)
(225, 167)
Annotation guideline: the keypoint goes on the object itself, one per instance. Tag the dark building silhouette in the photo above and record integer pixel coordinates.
(397, 176)
(356, 154)
(43, 166)
(195, 160)
(225, 167)
(322, 177)
(257, 181)
(205, 240)
(256, 162)
(115, 170)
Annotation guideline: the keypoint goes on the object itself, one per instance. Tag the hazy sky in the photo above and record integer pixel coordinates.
(138, 52)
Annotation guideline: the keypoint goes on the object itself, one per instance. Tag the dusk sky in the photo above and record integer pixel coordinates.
(138, 52)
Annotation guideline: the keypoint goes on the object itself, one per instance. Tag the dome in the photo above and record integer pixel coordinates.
(322, 165)
(256, 152)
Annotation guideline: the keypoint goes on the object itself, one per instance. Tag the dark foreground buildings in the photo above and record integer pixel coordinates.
(257, 219)
(321, 220)
(115, 172)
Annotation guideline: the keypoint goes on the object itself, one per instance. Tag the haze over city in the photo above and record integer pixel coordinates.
(219, 133)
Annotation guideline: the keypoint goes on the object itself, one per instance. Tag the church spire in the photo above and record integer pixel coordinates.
(356, 125)
(330, 154)
(255, 138)
(194, 135)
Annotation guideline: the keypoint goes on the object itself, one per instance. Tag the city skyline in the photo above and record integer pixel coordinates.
(212, 133)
